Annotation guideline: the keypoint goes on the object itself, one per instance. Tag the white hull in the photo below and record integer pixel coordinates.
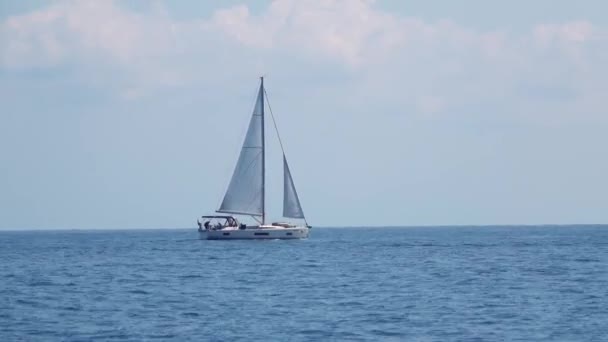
(265, 232)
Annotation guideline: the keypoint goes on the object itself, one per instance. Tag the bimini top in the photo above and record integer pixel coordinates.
(217, 216)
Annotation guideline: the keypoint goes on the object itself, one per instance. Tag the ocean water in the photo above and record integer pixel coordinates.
(380, 284)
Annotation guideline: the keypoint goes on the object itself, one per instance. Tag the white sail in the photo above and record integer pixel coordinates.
(245, 194)
(291, 202)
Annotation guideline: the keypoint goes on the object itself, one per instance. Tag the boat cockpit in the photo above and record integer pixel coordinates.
(215, 222)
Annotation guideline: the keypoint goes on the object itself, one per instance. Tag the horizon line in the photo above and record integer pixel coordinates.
(547, 225)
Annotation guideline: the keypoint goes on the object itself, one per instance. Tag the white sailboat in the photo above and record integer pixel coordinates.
(245, 195)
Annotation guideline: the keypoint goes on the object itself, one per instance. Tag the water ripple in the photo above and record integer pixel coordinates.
(435, 284)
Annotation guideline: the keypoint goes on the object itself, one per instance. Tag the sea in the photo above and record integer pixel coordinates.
(541, 283)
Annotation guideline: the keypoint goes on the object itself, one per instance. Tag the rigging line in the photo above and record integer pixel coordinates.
(280, 141)
(274, 122)
(256, 219)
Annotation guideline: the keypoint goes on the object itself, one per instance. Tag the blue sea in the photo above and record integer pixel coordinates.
(343, 284)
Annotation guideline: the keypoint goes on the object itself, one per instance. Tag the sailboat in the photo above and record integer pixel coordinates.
(246, 193)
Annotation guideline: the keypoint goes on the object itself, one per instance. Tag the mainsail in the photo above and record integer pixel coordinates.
(291, 202)
(245, 194)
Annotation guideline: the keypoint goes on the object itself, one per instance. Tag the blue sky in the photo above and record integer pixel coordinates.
(121, 114)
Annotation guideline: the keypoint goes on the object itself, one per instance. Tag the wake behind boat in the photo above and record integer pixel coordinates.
(246, 192)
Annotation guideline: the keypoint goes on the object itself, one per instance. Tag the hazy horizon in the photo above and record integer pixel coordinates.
(130, 115)
(481, 226)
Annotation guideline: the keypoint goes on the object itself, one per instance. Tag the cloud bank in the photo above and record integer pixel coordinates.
(442, 66)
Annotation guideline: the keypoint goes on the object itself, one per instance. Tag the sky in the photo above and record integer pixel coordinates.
(130, 114)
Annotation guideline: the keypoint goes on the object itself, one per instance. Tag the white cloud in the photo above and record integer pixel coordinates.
(438, 65)
(105, 42)
(579, 31)
(353, 32)
(96, 30)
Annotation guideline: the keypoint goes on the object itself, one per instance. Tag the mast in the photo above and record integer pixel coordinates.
(262, 90)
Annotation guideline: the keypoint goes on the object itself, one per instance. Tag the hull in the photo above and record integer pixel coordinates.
(255, 233)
